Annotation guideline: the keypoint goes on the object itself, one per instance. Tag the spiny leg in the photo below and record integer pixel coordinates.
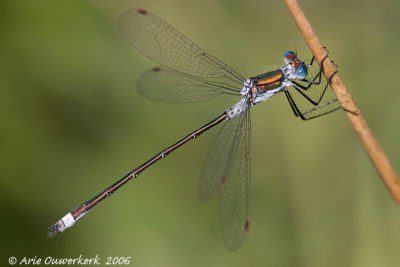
(297, 112)
(313, 58)
(315, 103)
(320, 107)
(290, 100)
(293, 105)
(327, 112)
(312, 82)
(298, 86)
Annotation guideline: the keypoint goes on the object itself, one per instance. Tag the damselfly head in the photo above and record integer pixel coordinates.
(301, 71)
(289, 57)
(299, 67)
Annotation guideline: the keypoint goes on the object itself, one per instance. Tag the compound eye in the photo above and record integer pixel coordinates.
(301, 72)
(288, 57)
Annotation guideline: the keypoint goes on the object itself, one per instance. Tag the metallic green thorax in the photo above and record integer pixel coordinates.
(268, 81)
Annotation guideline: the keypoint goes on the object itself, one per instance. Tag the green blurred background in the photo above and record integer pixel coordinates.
(72, 123)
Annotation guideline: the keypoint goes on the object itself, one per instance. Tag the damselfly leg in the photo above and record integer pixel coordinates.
(310, 98)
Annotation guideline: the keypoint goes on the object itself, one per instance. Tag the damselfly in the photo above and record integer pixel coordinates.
(188, 74)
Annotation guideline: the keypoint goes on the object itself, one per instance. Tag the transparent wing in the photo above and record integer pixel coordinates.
(234, 199)
(160, 42)
(218, 159)
(171, 86)
(227, 168)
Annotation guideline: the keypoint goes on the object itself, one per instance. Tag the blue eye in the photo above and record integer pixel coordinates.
(288, 57)
(301, 72)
